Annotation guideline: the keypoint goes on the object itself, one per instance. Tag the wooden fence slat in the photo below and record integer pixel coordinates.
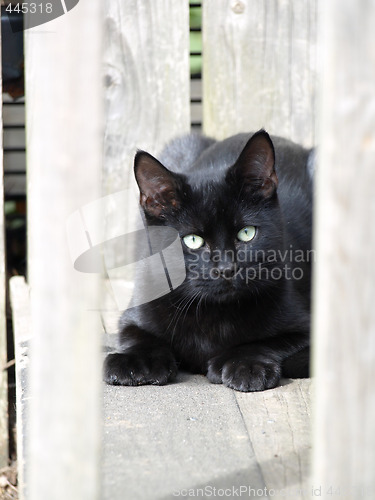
(259, 67)
(63, 62)
(3, 331)
(20, 299)
(147, 81)
(344, 320)
(147, 86)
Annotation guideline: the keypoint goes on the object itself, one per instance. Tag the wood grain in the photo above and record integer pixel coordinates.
(20, 300)
(146, 81)
(64, 161)
(185, 436)
(146, 66)
(279, 426)
(191, 435)
(344, 316)
(3, 331)
(259, 67)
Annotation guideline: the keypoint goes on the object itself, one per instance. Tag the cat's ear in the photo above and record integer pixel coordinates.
(159, 188)
(255, 168)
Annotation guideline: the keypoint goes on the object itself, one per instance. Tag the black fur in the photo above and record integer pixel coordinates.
(240, 317)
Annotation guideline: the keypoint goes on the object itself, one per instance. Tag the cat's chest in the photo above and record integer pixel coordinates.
(215, 327)
(201, 335)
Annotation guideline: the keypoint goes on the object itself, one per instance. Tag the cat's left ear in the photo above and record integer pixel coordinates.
(255, 168)
(159, 188)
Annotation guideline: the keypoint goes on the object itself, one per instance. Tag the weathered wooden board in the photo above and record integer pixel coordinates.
(110, 313)
(64, 155)
(344, 316)
(14, 159)
(162, 441)
(13, 112)
(20, 300)
(279, 427)
(147, 81)
(146, 66)
(14, 138)
(3, 332)
(259, 67)
(190, 437)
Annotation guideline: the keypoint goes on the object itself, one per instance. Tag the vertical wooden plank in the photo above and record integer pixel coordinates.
(259, 67)
(20, 300)
(344, 320)
(147, 80)
(64, 155)
(3, 332)
(147, 85)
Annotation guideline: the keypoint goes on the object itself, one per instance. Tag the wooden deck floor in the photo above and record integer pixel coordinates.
(192, 438)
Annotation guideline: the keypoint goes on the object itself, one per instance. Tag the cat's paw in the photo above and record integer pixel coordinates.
(246, 374)
(156, 368)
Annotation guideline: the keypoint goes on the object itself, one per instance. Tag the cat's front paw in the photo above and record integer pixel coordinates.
(246, 374)
(156, 368)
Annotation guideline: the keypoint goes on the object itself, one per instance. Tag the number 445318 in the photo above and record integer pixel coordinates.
(30, 8)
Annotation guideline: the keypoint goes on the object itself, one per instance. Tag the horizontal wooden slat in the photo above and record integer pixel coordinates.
(196, 89)
(14, 161)
(14, 115)
(15, 185)
(9, 101)
(14, 138)
(196, 112)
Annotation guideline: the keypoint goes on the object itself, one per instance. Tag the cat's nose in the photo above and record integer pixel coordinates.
(225, 270)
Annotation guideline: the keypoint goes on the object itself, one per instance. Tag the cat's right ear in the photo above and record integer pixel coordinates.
(159, 188)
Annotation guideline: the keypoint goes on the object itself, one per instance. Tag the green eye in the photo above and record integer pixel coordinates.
(193, 241)
(246, 234)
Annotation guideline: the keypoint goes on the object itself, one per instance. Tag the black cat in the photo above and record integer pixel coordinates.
(243, 210)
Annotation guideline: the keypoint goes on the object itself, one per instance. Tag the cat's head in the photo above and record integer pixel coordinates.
(229, 224)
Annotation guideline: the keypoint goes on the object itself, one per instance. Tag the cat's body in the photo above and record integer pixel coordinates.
(242, 314)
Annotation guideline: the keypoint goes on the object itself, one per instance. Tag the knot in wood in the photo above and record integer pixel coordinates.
(238, 7)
